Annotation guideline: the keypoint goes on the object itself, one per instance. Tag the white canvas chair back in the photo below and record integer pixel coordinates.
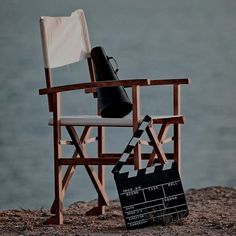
(65, 40)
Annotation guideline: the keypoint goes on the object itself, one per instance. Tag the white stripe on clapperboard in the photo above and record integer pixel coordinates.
(167, 165)
(143, 125)
(134, 140)
(124, 157)
(148, 170)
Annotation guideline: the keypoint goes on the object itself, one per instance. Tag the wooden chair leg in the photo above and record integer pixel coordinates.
(177, 144)
(58, 202)
(71, 169)
(100, 209)
(92, 174)
(101, 168)
(65, 182)
(58, 218)
(177, 129)
(136, 119)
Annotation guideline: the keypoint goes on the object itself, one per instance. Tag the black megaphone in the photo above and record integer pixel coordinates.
(113, 102)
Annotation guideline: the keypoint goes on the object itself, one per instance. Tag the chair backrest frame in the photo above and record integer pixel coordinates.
(65, 40)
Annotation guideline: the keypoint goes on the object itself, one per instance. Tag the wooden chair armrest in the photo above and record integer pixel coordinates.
(151, 82)
(169, 81)
(94, 85)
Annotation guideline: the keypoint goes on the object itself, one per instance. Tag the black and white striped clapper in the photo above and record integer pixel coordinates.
(152, 195)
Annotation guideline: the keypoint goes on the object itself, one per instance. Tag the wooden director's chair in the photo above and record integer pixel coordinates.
(65, 40)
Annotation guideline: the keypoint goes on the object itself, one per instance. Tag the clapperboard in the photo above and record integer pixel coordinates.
(152, 195)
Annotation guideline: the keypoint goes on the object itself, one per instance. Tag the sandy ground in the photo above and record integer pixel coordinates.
(212, 211)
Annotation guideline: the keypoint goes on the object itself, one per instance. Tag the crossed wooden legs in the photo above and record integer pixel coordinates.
(60, 188)
(98, 181)
(157, 143)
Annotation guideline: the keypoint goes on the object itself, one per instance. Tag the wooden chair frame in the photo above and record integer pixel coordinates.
(59, 42)
(80, 157)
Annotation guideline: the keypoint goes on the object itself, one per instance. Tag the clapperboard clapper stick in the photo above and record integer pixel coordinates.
(153, 195)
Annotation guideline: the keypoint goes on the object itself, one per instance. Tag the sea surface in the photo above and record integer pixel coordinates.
(150, 39)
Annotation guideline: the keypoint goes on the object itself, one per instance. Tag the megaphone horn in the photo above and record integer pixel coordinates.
(113, 102)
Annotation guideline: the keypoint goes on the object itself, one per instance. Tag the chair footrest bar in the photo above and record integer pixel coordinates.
(110, 159)
(145, 156)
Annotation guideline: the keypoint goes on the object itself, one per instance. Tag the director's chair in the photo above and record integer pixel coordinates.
(65, 40)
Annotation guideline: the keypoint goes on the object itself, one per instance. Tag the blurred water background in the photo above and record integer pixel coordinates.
(150, 39)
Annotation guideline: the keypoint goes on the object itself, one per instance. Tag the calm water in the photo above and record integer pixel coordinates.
(153, 39)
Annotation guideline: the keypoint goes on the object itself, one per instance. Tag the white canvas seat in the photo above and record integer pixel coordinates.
(65, 40)
(90, 120)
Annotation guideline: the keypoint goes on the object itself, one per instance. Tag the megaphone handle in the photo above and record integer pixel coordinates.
(117, 66)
